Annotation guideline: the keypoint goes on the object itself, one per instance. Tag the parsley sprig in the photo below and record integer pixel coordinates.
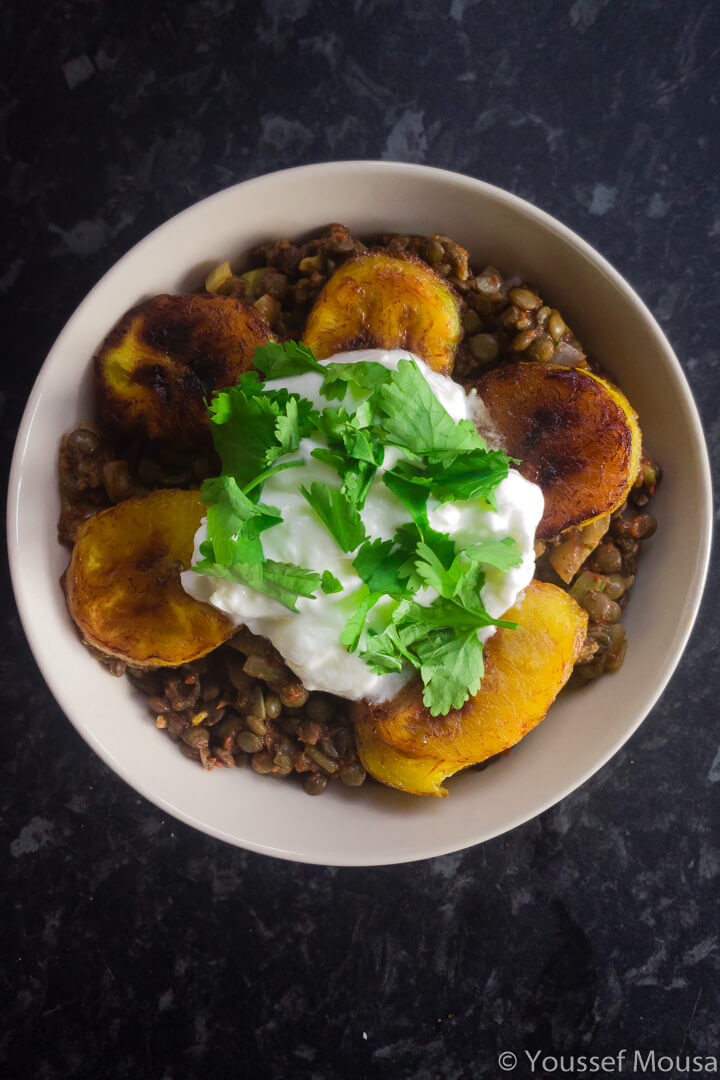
(431, 608)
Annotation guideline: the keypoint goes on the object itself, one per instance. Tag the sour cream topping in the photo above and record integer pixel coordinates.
(309, 640)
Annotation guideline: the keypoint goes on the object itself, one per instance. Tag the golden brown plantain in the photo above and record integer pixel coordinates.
(576, 435)
(402, 745)
(123, 583)
(165, 356)
(376, 300)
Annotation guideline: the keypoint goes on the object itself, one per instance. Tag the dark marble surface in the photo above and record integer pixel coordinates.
(134, 947)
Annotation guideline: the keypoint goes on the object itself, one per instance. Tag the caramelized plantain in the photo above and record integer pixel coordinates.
(165, 356)
(576, 435)
(376, 300)
(123, 583)
(402, 745)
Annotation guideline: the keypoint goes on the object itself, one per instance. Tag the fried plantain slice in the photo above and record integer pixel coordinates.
(123, 586)
(403, 746)
(575, 434)
(165, 356)
(376, 300)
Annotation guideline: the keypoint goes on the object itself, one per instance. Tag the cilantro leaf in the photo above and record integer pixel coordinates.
(380, 567)
(333, 423)
(467, 591)
(330, 584)
(387, 651)
(341, 427)
(362, 376)
(450, 663)
(352, 434)
(357, 481)
(354, 451)
(414, 419)
(502, 554)
(363, 415)
(284, 582)
(252, 427)
(408, 537)
(252, 384)
(338, 513)
(234, 522)
(451, 668)
(332, 458)
(439, 639)
(413, 497)
(357, 476)
(243, 429)
(461, 583)
(338, 424)
(473, 475)
(434, 573)
(350, 636)
(442, 544)
(364, 446)
(442, 614)
(383, 652)
(287, 432)
(307, 414)
(277, 361)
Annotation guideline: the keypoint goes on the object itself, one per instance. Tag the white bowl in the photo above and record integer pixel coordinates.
(372, 825)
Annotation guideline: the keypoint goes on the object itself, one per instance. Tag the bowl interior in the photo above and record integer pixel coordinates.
(372, 825)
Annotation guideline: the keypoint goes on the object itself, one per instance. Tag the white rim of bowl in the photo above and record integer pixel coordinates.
(573, 240)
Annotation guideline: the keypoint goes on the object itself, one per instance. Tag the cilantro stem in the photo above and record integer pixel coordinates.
(266, 473)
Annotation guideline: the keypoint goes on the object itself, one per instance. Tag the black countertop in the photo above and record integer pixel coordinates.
(135, 947)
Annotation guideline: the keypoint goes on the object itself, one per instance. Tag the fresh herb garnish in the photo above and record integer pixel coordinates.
(432, 607)
(252, 428)
(233, 549)
(350, 637)
(338, 513)
(243, 427)
(502, 554)
(440, 639)
(414, 497)
(409, 536)
(287, 432)
(414, 419)
(364, 376)
(271, 471)
(380, 565)
(235, 522)
(451, 668)
(291, 358)
(330, 584)
(281, 581)
(472, 475)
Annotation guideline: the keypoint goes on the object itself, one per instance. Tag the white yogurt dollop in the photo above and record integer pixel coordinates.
(309, 641)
